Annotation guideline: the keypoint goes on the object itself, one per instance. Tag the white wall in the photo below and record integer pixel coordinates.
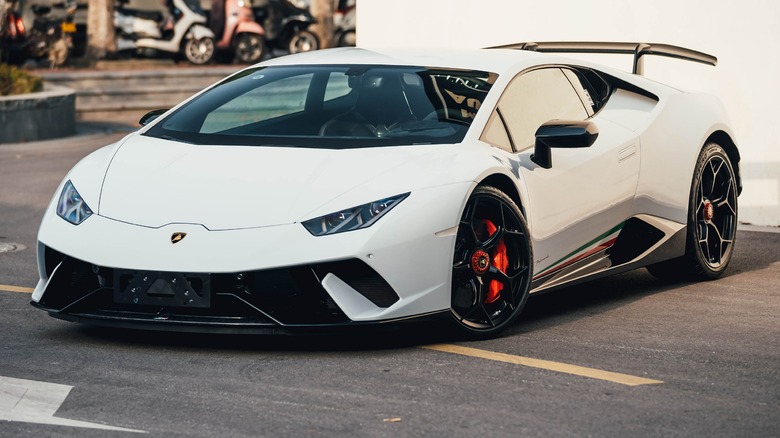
(744, 35)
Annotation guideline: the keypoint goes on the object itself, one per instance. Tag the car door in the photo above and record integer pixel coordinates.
(576, 208)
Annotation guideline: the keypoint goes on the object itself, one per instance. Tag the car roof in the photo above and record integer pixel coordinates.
(490, 60)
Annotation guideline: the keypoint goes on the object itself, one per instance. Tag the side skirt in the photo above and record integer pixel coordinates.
(642, 240)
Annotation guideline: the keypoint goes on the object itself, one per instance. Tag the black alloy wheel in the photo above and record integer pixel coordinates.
(712, 220)
(491, 270)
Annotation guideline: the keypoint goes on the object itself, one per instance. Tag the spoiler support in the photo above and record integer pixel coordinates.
(636, 49)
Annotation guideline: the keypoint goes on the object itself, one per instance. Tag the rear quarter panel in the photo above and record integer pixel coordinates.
(671, 142)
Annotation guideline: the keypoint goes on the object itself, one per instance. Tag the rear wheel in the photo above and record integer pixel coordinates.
(491, 270)
(712, 221)
(303, 41)
(199, 51)
(249, 48)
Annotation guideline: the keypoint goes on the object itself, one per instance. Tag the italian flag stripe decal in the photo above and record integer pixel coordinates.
(600, 243)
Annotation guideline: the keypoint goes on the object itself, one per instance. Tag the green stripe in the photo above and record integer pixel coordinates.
(616, 228)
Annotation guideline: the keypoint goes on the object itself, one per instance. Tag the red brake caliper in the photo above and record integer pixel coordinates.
(499, 260)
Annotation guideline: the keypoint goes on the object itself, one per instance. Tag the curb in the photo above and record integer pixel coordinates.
(44, 115)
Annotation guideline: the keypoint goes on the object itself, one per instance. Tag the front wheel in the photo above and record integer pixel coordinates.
(199, 51)
(303, 41)
(712, 221)
(249, 48)
(491, 270)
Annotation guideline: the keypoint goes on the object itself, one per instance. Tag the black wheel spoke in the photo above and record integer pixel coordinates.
(700, 196)
(469, 313)
(490, 319)
(714, 171)
(514, 233)
(494, 273)
(520, 272)
(492, 241)
(461, 266)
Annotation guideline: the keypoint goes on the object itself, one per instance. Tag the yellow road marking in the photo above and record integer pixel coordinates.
(8, 288)
(623, 379)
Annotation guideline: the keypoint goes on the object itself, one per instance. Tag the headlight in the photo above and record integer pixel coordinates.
(354, 218)
(71, 207)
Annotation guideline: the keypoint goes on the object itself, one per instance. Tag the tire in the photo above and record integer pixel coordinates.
(199, 51)
(249, 48)
(712, 221)
(303, 41)
(348, 39)
(487, 295)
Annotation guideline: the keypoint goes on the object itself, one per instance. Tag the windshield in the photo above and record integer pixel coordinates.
(332, 107)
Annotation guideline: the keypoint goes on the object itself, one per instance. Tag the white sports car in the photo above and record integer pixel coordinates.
(347, 187)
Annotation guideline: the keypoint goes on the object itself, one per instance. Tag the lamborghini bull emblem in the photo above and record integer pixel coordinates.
(177, 237)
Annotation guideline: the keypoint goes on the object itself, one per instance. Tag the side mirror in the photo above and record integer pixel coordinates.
(562, 134)
(150, 116)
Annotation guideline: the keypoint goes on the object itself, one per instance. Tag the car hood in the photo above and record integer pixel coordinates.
(154, 182)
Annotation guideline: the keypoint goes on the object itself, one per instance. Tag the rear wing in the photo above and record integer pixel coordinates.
(636, 49)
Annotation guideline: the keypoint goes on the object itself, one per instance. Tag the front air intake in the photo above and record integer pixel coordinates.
(362, 278)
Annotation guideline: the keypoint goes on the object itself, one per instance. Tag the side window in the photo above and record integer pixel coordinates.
(536, 97)
(581, 90)
(495, 133)
(289, 97)
(338, 86)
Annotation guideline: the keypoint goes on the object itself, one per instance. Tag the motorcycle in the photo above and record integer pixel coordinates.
(286, 25)
(237, 31)
(51, 37)
(183, 32)
(13, 38)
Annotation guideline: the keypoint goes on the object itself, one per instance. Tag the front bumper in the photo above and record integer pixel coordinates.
(257, 280)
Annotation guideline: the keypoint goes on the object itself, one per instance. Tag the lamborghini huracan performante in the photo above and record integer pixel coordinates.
(346, 187)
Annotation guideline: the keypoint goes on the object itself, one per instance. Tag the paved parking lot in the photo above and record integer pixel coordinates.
(622, 356)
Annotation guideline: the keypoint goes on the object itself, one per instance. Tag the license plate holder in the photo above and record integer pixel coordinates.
(166, 289)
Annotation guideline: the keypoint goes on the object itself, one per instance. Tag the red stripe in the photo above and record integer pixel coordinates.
(601, 247)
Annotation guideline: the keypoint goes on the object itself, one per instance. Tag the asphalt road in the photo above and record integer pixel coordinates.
(710, 353)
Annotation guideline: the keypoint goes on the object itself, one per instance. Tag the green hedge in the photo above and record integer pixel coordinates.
(16, 81)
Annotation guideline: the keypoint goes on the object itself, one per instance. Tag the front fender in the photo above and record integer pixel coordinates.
(249, 27)
(199, 32)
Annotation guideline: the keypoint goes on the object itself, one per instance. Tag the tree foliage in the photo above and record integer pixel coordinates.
(16, 81)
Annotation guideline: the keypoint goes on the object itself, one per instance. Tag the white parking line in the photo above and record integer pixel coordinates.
(29, 401)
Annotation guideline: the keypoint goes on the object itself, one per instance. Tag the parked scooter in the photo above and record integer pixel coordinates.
(184, 32)
(51, 38)
(344, 23)
(286, 25)
(237, 31)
